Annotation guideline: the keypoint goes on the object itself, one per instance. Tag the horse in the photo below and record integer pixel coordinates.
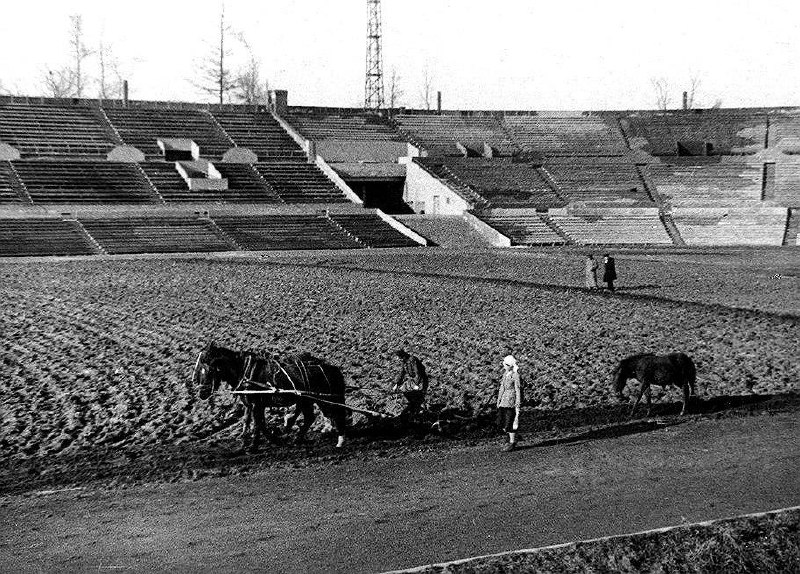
(663, 370)
(286, 380)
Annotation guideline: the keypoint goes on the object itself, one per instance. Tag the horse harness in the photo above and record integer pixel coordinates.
(249, 376)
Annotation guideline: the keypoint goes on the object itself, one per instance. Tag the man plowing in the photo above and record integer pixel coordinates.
(412, 381)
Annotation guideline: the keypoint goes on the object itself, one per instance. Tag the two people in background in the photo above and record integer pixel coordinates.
(609, 272)
(509, 401)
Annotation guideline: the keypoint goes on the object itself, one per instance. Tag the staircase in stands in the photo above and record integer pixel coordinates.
(792, 227)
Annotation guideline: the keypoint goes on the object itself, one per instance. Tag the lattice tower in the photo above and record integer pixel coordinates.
(373, 85)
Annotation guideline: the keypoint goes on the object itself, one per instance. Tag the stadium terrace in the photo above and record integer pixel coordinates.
(106, 177)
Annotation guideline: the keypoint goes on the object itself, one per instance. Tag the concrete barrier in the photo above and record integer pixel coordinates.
(407, 231)
(486, 231)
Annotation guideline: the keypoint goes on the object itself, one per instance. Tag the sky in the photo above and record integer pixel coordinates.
(490, 55)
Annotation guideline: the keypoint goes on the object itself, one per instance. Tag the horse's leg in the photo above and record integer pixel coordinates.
(259, 427)
(638, 398)
(339, 420)
(690, 374)
(648, 393)
(337, 415)
(307, 409)
(248, 419)
(686, 395)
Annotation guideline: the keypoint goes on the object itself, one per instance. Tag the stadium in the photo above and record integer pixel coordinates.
(139, 177)
(138, 236)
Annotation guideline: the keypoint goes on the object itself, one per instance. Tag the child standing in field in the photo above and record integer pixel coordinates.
(508, 401)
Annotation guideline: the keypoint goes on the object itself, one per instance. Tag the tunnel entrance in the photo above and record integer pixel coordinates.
(384, 194)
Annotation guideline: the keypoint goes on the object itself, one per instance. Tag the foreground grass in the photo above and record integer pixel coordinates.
(755, 543)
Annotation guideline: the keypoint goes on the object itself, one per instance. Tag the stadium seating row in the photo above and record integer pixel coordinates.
(643, 226)
(54, 181)
(523, 228)
(707, 181)
(175, 234)
(598, 180)
(53, 130)
(496, 181)
(601, 227)
(691, 133)
(372, 231)
(337, 126)
(259, 132)
(7, 193)
(86, 132)
(572, 136)
(604, 134)
(40, 236)
(501, 182)
(154, 235)
(72, 181)
(440, 132)
(731, 226)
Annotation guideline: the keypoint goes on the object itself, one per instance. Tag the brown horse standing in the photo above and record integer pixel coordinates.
(301, 381)
(675, 369)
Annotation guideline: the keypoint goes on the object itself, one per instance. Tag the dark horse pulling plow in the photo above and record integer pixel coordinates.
(261, 382)
(675, 369)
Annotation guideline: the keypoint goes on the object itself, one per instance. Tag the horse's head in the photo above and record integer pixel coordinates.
(207, 376)
(618, 380)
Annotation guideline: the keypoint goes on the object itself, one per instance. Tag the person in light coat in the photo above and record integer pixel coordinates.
(509, 398)
(591, 272)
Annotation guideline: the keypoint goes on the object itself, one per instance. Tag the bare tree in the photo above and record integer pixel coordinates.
(216, 77)
(70, 80)
(395, 91)
(717, 104)
(79, 54)
(250, 88)
(59, 83)
(427, 89)
(661, 87)
(691, 93)
(109, 79)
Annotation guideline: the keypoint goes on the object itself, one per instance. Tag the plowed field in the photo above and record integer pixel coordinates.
(96, 354)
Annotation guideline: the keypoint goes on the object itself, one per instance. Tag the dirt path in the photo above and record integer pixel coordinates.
(385, 513)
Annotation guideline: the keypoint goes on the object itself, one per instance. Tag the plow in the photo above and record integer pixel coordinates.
(319, 398)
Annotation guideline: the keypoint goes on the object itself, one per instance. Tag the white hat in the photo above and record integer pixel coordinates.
(510, 361)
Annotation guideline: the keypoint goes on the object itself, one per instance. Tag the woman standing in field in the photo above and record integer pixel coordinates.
(508, 401)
